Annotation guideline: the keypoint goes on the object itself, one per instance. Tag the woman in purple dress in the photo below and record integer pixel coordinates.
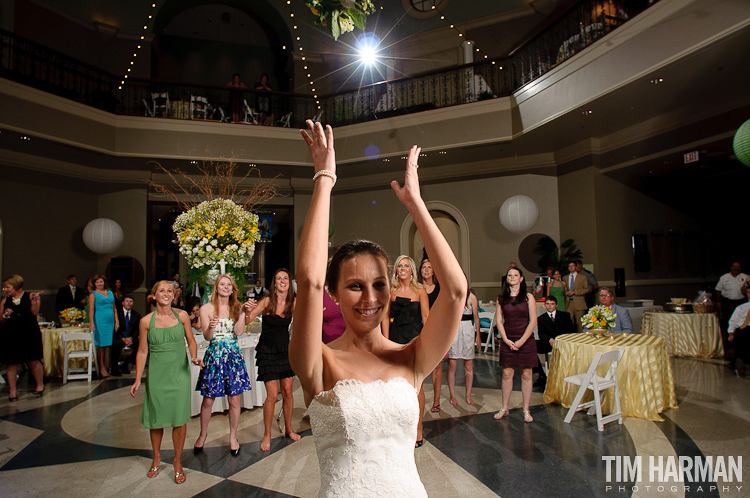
(516, 320)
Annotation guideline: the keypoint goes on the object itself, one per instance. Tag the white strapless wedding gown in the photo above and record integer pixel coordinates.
(364, 435)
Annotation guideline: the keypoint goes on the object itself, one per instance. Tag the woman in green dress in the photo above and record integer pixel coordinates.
(557, 287)
(167, 398)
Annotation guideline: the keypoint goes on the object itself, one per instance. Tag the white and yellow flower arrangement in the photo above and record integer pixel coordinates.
(599, 318)
(341, 16)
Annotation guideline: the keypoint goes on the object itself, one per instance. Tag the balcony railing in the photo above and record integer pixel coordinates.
(565, 34)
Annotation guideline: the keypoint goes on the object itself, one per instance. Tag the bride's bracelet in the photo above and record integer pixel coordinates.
(325, 172)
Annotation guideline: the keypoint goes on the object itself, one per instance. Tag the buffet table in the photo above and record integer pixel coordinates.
(686, 334)
(644, 374)
(52, 350)
(248, 399)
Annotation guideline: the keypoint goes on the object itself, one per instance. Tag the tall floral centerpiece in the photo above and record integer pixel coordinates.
(598, 320)
(218, 230)
(217, 235)
(341, 16)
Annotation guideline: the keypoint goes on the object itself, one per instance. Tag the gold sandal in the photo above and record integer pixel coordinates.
(177, 476)
(154, 471)
(501, 413)
(527, 417)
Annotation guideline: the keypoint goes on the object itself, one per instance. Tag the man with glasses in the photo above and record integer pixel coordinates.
(623, 322)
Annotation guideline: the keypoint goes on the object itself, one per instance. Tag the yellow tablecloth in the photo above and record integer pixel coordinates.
(52, 347)
(644, 374)
(686, 334)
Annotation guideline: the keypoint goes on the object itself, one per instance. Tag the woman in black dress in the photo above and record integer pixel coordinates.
(21, 336)
(516, 320)
(272, 353)
(408, 311)
(428, 279)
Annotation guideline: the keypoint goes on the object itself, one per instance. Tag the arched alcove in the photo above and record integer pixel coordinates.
(450, 217)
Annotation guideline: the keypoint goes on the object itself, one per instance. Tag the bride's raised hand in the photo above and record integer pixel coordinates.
(409, 193)
(320, 142)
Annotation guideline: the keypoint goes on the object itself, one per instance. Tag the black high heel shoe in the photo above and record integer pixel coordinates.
(197, 450)
(234, 453)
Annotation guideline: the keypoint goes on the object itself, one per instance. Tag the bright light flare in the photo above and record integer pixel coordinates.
(368, 47)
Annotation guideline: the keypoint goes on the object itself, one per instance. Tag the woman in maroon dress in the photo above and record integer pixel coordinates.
(516, 320)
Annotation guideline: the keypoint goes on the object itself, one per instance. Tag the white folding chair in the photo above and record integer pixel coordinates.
(70, 353)
(198, 107)
(590, 380)
(161, 105)
(482, 330)
(251, 117)
(285, 120)
(149, 110)
(316, 118)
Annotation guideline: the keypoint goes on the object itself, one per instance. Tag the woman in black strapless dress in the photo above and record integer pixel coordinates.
(272, 352)
(516, 320)
(408, 311)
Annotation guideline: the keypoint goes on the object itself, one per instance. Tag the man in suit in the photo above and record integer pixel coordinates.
(551, 324)
(578, 286)
(70, 296)
(126, 335)
(591, 280)
(623, 322)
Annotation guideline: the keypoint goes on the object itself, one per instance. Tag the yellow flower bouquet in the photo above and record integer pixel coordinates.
(72, 315)
(341, 16)
(599, 317)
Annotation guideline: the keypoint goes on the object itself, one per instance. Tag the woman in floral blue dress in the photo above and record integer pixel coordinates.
(225, 373)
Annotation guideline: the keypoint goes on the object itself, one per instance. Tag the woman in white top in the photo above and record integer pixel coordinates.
(362, 388)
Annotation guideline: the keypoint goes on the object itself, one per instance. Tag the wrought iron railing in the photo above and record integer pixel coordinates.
(566, 34)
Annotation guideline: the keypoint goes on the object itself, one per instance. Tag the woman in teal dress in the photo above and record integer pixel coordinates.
(557, 287)
(102, 320)
(167, 398)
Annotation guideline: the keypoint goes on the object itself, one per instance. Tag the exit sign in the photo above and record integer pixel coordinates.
(691, 157)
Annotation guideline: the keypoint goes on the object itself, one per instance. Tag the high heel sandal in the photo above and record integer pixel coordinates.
(178, 476)
(500, 413)
(527, 417)
(152, 472)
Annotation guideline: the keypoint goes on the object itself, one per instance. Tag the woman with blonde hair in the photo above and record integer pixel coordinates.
(22, 338)
(272, 353)
(225, 373)
(166, 403)
(362, 388)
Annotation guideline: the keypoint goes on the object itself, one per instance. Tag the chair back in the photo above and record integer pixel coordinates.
(78, 336)
(602, 358)
(160, 102)
(198, 107)
(285, 120)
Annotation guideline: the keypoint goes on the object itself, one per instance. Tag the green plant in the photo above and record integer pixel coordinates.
(557, 257)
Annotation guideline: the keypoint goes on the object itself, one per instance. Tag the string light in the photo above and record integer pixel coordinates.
(149, 17)
(301, 52)
(460, 33)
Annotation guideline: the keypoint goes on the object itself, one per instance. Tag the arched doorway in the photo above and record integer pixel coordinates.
(453, 226)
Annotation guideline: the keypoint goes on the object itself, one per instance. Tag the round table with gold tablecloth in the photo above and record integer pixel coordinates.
(52, 347)
(644, 374)
(687, 334)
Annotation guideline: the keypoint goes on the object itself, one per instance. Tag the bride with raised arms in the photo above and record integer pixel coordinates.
(362, 388)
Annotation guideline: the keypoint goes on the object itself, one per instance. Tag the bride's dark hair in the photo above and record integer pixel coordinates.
(347, 252)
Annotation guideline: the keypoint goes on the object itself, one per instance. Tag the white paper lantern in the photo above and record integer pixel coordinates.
(519, 214)
(103, 236)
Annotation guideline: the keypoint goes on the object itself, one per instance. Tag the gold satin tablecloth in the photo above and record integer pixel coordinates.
(686, 334)
(644, 374)
(52, 346)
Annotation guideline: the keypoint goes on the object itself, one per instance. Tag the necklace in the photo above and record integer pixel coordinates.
(17, 300)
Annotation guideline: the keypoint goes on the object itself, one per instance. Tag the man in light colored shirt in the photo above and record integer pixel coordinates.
(623, 322)
(739, 336)
(730, 292)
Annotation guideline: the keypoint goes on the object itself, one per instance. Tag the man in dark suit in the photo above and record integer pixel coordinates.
(126, 335)
(70, 296)
(551, 324)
